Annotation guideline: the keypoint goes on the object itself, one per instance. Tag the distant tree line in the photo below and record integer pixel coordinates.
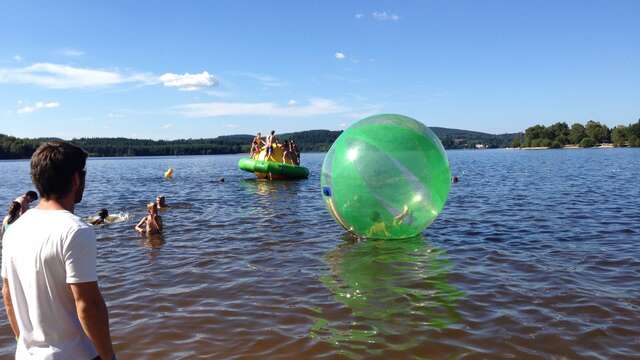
(464, 139)
(135, 147)
(19, 148)
(593, 133)
(308, 141)
(556, 135)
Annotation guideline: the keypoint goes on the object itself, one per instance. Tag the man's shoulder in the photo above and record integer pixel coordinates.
(53, 220)
(75, 224)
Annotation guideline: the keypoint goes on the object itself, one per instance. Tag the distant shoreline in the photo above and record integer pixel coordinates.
(601, 146)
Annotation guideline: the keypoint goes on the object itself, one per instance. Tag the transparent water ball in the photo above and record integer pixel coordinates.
(386, 177)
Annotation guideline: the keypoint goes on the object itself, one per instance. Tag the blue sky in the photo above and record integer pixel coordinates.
(190, 69)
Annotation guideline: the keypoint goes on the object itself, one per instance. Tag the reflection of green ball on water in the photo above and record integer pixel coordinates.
(387, 176)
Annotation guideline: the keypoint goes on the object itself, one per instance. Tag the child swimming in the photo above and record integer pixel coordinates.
(102, 217)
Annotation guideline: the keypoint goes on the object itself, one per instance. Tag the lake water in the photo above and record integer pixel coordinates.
(536, 255)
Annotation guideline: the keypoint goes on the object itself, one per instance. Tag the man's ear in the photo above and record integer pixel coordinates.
(75, 181)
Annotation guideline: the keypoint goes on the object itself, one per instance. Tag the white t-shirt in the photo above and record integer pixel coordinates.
(42, 252)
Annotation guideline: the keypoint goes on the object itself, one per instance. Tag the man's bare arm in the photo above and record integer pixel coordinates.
(94, 316)
(8, 306)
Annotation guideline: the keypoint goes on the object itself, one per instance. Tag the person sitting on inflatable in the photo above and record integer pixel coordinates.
(256, 145)
(295, 152)
(102, 217)
(287, 156)
(152, 223)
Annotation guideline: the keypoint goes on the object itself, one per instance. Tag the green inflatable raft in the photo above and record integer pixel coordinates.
(273, 170)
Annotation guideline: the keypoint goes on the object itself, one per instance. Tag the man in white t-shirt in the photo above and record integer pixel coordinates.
(50, 287)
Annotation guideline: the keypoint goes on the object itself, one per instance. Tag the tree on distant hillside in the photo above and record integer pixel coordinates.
(534, 135)
(556, 144)
(587, 142)
(634, 129)
(577, 133)
(619, 135)
(598, 132)
(559, 129)
(516, 143)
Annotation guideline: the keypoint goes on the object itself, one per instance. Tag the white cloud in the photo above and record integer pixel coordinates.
(167, 126)
(38, 106)
(315, 107)
(56, 76)
(71, 52)
(115, 115)
(17, 58)
(384, 16)
(359, 16)
(189, 82)
(292, 102)
(340, 56)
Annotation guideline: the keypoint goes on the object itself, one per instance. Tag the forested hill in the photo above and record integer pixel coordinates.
(466, 139)
(308, 141)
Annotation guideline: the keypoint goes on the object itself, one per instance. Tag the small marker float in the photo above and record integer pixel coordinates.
(276, 167)
(168, 174)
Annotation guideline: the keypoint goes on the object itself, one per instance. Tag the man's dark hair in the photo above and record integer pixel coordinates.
(32, 194)
(273, 132)
(53, 165)
(103, 213)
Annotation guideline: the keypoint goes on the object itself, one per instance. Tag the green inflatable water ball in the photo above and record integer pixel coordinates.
(386, 177)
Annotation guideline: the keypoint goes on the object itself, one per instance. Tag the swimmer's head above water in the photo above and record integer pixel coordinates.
(152, 208)
(161, 202)
(103, 213)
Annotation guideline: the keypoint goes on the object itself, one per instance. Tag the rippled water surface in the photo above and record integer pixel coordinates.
(536, 255)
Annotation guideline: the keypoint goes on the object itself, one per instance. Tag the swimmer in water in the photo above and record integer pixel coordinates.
(26, 199)
(12, 215)
(102, 217)
(161, 202)
(152, 223)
